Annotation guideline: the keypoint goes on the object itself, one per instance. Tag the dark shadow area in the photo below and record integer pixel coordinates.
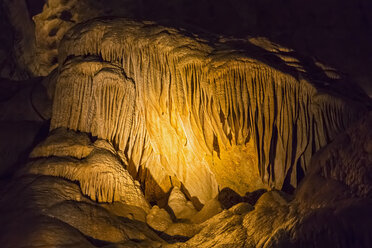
(21, 125)
(35, 6)
(171, 239)
(228, 197)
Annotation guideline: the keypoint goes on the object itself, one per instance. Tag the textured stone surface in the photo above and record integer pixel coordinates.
(328, 30)
(100, 174)
(182, 230)
(226, 115)
(228, 198)
(189, 113)
(158, 218)
(241, 208)
(50, 211)
(58, 17)
(210, 209)
(17, 47)
(181, 207)
(223, 230)
(328, 209)
(64, 143)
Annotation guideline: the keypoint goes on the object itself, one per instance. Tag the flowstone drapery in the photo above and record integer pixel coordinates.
(208, 114)
(159, 138)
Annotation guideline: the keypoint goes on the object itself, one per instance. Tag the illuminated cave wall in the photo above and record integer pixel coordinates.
(147, 120)
(221, 134)
(206, 114)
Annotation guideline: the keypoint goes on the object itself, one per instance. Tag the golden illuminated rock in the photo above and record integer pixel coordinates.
(181, 207)
(100, 173)
(159, 137)
(64, 143)
(183, 230)
(57, 17)
(224, 230)
(210, 209)
(207, 114)
(159, 219)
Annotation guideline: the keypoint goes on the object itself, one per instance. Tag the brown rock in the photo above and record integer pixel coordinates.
(158, 219)
(64, 143)
(181, 207)
(210, 209)
(241, 208)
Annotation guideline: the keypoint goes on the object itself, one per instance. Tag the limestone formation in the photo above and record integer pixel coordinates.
(223, 230)
(57, 17)
(16, 61)
(99, 172)
(329, 209)
(158, 219)
(64, 143)
(210, 209)
(323, 213)
(221, 112)
(241, 208)
(127, 211)
(182, 231)
(160, 137)
(181, 207)
(50, 211)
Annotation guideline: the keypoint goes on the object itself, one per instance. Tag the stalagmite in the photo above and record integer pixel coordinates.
(211, 115)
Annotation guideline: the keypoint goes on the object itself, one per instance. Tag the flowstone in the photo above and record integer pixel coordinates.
(207, 114)
(212, 125)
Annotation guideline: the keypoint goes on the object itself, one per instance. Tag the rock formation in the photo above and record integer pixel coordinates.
(145, 135)
(168, 99)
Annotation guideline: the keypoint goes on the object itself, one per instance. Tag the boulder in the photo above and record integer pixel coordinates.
(158, 219)
(181, 207)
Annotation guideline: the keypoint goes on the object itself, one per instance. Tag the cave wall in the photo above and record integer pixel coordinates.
(315, 31)
(209, 114)
(147, 114)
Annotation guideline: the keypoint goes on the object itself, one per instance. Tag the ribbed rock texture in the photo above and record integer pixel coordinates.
(96, 167)
(210, 114)
(57, 17)
(327, 30)
(163, 138)
(331, 208)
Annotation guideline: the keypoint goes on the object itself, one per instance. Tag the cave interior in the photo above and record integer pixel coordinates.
(185, 123)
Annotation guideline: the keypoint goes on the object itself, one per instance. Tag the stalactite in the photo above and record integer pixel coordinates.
(177, 92)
